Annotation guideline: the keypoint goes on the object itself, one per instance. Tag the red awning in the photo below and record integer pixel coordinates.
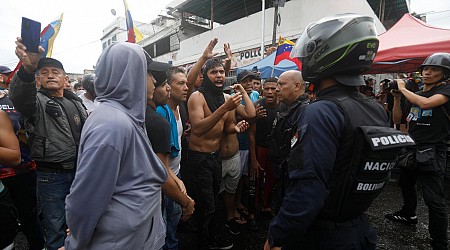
(406, 45)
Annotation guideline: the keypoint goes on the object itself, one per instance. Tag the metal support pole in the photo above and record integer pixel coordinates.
(262, 26)
(275, 23)
(212, 14)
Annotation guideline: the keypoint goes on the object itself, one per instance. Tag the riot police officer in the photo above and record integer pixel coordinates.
(428, 120)
(291, 92)
(343, 150)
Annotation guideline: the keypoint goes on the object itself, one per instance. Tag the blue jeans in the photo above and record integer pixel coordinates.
(52, 191)
(172, 215)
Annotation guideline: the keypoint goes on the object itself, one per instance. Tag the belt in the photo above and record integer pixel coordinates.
(54, 170)
(328, 224)
(214, 154)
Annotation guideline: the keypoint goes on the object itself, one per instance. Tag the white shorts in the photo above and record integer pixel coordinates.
(230, 173)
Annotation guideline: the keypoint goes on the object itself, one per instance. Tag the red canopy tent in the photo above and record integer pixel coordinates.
(406, 45)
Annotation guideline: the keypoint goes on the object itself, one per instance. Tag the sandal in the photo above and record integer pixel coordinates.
(243, 211)
(239, 220)
(235, 225)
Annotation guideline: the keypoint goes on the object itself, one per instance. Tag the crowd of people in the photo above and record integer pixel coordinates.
(121, 159)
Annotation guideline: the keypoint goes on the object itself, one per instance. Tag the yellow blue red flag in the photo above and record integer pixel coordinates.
(48, 35)
(283, 52)
(134, 35)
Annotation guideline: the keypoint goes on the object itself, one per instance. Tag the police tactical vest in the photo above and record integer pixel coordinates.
(367, 153)
(283, 129)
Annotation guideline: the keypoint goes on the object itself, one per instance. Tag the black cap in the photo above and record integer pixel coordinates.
(5, 70)
(50, 62)
(244, 74)
(160, 77)
(158, 69)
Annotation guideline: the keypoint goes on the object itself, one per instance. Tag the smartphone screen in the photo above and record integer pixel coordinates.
(31, 34)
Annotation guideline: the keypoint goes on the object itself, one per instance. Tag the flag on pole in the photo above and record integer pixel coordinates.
(134, 35)
(284, 50)
(48, 36)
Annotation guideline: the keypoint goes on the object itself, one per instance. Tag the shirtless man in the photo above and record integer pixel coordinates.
(210, 116)
(231, 162)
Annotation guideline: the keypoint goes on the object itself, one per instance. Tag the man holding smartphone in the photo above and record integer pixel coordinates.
(54, 117)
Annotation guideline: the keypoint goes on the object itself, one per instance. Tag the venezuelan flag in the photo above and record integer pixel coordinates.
(284, 50)
(48, 35)
(134, 35)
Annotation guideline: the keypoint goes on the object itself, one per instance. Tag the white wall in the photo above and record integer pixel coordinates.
(245, 33)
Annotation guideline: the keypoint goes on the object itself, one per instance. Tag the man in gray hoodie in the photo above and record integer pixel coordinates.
(115, 199)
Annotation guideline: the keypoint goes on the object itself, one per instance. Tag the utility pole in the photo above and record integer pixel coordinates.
(382, 9)
(212, 14)
(262, 26)
(275, 23)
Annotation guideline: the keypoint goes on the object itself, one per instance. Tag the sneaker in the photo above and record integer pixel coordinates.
(402, 218)
(220, 244)
(234, 227)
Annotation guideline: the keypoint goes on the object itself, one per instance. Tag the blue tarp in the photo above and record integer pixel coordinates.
(265, 66)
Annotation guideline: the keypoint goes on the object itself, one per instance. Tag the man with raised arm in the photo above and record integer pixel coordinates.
(209, 115)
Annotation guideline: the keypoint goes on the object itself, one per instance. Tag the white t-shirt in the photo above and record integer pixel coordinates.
(174, 163)
(90, 105)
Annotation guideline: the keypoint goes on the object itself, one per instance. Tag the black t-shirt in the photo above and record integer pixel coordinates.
(264, 125)
(158, 131)
(430, 126)
(73, 117)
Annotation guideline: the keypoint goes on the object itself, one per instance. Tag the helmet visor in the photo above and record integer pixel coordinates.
(301, 48)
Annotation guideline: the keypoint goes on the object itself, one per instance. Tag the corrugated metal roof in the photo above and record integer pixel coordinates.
(393, 10)
(226, 11)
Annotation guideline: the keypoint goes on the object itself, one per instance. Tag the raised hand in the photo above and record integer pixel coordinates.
(208, 52)
(227, 51)
(29, 59)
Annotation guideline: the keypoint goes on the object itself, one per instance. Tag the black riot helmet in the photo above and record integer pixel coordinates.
(342, 46)
(439, 60)
(88, 84)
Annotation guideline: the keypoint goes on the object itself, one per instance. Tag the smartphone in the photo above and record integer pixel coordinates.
(30, 34)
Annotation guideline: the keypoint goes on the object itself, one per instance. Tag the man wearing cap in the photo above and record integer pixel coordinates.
(245, 78)
(54, 118)
(4, 75)
(210, 117)
(336, 142)
(159, 131)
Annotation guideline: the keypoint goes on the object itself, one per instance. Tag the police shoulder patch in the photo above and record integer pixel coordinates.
(294, 139)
